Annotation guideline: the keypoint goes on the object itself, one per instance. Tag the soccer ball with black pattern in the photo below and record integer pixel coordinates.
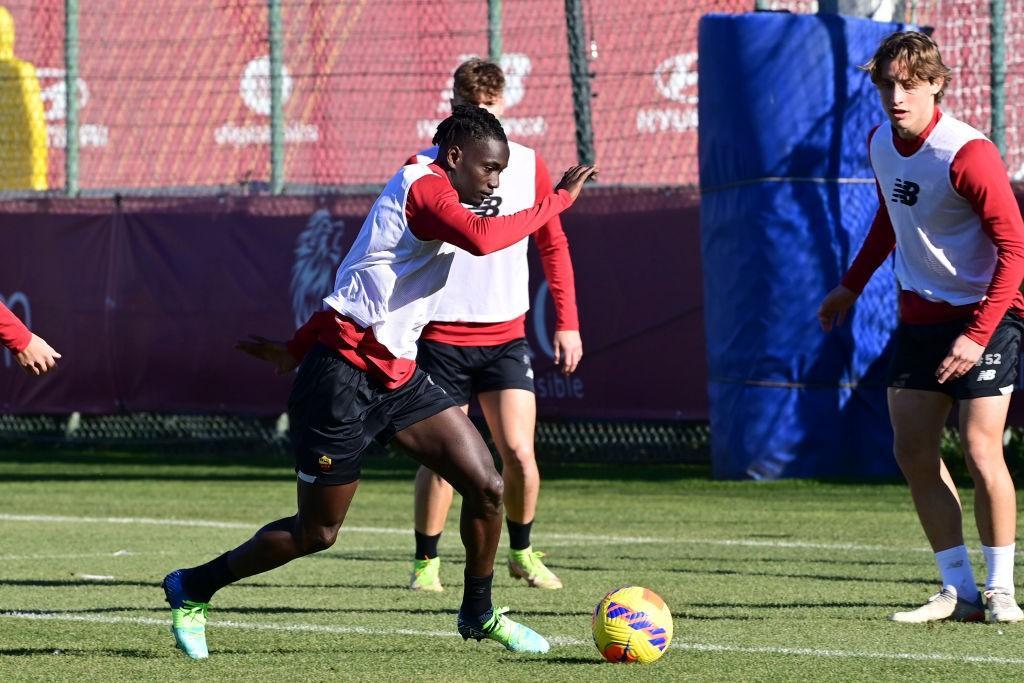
(632, 624)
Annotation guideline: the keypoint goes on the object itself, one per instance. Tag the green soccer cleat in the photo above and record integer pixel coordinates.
(426, 575)
(514, 636)
(526, 564)
(188, 618)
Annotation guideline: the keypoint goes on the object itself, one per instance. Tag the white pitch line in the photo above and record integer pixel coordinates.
(555, 640)
(584, 538)
(811, 652)
(81, 556)
(147, 621)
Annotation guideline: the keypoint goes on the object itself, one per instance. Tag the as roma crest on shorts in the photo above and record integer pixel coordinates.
(326, 464)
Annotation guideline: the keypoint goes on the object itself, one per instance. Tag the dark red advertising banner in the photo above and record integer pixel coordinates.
(176, 93)
(145, 299)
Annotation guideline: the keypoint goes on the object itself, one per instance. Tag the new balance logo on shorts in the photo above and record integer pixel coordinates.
(986, 375)
(905, 191)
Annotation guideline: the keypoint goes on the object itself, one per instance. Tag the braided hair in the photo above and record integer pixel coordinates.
(468, 123)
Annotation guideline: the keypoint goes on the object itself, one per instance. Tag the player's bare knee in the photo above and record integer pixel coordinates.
(495, 491)
(918, 463)
(985, 464)
(316, 538)
(486, 495)
(520, 457)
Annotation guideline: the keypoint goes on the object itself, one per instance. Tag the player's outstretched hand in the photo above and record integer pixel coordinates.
(38, 358)
(573, 179)
(832, 311)
(274, 352)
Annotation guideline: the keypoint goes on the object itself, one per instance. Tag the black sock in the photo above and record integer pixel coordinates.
(200, 583)
(518, 534)
(476, 597)
(426, 546)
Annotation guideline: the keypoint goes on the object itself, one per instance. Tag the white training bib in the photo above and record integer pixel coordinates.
(942, 254)
(496, 287)
(390, 280)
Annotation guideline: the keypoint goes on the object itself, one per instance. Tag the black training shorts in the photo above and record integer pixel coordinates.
(465, 371)
(335, 410)
(919, 349)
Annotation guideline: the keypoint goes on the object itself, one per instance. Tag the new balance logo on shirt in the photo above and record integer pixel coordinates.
(905, 191)
(489, 207)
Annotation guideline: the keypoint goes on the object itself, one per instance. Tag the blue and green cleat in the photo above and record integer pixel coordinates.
(514, 636)
(188, 617)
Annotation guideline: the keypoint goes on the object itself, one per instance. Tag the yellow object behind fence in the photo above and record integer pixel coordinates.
(22, 126)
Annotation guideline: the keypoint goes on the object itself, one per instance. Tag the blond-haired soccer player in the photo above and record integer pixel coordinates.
(946, 207)
(476, 345)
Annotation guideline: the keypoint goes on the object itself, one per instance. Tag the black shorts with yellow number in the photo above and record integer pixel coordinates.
(919, 349)
(464, 371)
(335, 410)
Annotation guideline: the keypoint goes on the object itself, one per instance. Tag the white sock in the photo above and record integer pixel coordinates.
(999, 561)
(955, 567)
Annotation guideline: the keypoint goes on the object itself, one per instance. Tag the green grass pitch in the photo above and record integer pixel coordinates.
(766, 581)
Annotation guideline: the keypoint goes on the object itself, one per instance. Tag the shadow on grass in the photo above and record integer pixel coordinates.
(414, 611)
(219, 611)
(72, 465)
(689, 616)
(789, 605)
(631, 559)
(573, 660)
(802, 577)
(52, 583)
(64, 652)
(343, 557)
(122, 583)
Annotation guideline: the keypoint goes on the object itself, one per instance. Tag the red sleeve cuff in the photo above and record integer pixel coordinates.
(854, 282)
(13, 333)
(978, 337)
(21, 342)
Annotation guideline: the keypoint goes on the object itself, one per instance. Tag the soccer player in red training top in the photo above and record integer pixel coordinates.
(32, 353)
(476, 345)
(358, 378)
(947, 209)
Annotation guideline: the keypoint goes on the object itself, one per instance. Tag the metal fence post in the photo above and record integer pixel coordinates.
(276, 100)
(494, 28)
(997, 54)
(71, 139)
(580, 75)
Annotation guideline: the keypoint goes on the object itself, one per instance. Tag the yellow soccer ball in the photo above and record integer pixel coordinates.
(632, 624)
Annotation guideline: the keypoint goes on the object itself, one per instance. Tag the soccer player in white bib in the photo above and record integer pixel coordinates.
(946, 207)
(476, 345)
(358, 380)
